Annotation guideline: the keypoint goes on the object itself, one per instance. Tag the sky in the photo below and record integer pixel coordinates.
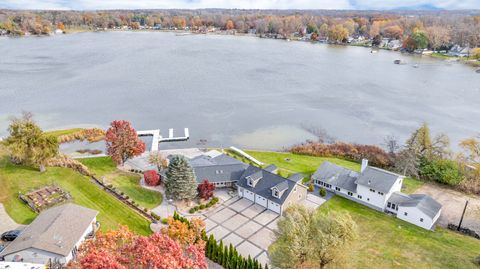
(242, 4)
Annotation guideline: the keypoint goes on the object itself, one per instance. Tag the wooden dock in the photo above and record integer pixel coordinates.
(157, 138)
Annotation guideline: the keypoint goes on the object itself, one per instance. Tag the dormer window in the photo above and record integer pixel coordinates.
(250, 182)
(276, 193)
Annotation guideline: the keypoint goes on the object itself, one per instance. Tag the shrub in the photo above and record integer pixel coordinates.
(155, 216)
(311, 188)
(215, 200)
(145, 209)
(152, 178)
(205, 189)
(192, 210)
(322, 192)
(202, 206)
(65, 161)
(122, 193)
(476, 53)
(355, 152)
(127, 197)
(443, 171)
(165, 220)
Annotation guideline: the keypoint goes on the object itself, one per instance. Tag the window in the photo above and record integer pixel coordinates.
(337, 188)
(276, 193)
(250, 182)
(381, 193)
(359, 196)
(394, 206)
(372, 190)
(349, 193)
(421, 219)
(405, 213)
(389, 204)
(368, 199)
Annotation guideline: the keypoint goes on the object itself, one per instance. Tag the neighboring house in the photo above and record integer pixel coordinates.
(378, 189)
(270, 190)
(459, 51)
(220, 169)
(54, 236)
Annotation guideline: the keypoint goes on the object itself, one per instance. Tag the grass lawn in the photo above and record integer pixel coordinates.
(58, 133)
(129, 183)
(15, 179)
(387, 242)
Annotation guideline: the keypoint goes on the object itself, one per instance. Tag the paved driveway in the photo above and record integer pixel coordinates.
(245, 225)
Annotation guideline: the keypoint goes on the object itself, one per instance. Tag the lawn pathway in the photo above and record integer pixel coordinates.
(7, 223)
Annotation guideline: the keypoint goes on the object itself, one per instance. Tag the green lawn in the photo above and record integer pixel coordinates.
(15, 179)
(128, 183)
(58, 133)
(387, 242)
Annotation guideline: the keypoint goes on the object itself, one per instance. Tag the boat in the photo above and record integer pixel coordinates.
(415, 66)
(397, 62)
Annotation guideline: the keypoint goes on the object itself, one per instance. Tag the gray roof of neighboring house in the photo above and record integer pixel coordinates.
(267, 181)
(336, 175)
(218, 168)
(398, 198)
(55, 230)
(270, 168)
(424, 203)
(377, 179)
(296, 177)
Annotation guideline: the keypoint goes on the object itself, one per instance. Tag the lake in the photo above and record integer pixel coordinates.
(229, 90)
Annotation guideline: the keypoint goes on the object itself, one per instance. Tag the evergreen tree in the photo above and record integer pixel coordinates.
(220, 253)
(180, 180)
(225, 257)
(249, 263)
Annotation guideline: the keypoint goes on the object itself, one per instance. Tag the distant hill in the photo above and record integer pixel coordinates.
(427, 7)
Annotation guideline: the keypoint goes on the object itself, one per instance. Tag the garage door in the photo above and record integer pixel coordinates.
(274, 207)
(249, 195)
(260, 200)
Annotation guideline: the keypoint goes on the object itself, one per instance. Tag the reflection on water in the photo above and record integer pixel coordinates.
(272, 138)
(232, 90)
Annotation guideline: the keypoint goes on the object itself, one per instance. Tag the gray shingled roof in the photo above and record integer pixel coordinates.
(266, 183)
(296, 177)
(216, 169)
(55, 230)
(377, 179)
(336, 175)
(398, 198)
(270, 168)
(282, 186)
(424, 203)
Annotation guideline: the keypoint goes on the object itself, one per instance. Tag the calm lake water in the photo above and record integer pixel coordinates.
(228, 90)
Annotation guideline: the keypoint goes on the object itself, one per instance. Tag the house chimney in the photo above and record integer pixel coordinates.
(364, 165)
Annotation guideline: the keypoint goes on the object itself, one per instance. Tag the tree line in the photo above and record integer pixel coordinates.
(417, 29)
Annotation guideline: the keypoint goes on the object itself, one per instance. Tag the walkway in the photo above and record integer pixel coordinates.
(7, 223)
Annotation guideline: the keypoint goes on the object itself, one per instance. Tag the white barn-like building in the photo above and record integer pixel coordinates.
(378, 189)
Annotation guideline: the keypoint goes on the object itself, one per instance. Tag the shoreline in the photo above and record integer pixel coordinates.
(470, 62)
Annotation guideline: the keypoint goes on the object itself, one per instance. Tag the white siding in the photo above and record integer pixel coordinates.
(415, 216)
(249, 195)
(373, 198)
(240, 192)
(260, 200)
(274, 207)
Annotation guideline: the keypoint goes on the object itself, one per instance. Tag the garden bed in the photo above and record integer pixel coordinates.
(46, 197)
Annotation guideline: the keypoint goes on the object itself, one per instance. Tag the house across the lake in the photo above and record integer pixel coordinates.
(380, 190)
(264, 187)
(54, 236)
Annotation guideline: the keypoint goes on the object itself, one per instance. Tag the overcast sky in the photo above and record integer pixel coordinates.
(243, 4)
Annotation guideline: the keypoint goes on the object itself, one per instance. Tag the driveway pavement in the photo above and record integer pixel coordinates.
(7, 223)
(245, 225)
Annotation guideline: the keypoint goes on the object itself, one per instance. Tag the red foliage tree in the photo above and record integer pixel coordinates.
(122, 249)
(205, 189)
(122, 142)
(152, 178)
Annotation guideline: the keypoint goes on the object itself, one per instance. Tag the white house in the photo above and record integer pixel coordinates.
(264, 187)
(378, 189)
(54, 236)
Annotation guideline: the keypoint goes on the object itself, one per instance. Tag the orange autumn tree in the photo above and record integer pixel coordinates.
(122, 142)
(122, 249)
(184, 233)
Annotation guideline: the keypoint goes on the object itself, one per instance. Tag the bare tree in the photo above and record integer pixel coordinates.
(390, 142)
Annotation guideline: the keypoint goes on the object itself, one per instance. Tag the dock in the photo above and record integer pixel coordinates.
(157, 137)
